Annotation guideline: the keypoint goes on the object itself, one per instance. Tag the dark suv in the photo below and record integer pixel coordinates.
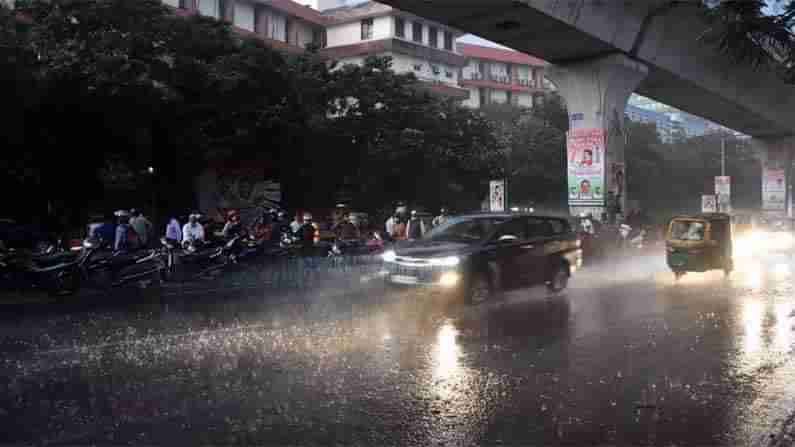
(480, 254)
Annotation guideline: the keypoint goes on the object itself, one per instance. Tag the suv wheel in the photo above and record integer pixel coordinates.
(479, 290)
(559, 280)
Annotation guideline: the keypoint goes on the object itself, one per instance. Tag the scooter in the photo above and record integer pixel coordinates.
(208, 259)
(58, 274)
(122, 268)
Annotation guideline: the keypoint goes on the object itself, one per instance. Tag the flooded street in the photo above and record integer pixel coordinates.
(626, 356)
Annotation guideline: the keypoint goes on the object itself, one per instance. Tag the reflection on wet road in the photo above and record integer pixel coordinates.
(627, 356)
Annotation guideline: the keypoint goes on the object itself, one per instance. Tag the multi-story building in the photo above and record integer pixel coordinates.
(416, 45)
(502, 76)
(667, 128)
(283, 24)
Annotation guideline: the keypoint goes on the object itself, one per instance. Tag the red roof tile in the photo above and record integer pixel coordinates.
(498, 54)
(298, 10)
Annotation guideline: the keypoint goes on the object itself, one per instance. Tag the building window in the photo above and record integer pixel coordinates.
(483, 96)
(319, 37)
(448, 74)
(448, 41)
(417, 67)
(400, 27)
(367, 29)
(435, 69)
(433, 37)
(416, 32)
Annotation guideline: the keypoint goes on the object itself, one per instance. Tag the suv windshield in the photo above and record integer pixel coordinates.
(688, 230)
(465, 229)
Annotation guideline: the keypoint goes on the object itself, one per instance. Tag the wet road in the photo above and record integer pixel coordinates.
(625, 357)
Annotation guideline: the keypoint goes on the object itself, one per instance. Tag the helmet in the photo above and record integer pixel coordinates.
(122, 213)
(307, 216)
(443, 210)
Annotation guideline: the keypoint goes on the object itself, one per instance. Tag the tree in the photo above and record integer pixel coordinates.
(756, 32)
(534, 151)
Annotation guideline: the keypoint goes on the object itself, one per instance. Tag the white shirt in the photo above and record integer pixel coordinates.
(192, 232)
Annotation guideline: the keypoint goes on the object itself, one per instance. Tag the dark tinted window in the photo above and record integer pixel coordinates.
(559, 226)
(516, 227)
(465, 229)
(537, 227)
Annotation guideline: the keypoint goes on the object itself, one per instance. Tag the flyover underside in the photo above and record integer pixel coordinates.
(535, 31)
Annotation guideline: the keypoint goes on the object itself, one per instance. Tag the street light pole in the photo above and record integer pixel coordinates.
(723, 156)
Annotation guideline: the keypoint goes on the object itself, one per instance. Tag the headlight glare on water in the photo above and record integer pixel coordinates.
(389, 256)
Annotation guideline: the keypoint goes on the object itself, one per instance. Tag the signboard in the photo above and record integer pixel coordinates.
(774, 190)
(709, 204)
(723, 189)
(723, 185)
(585, 150)
(497, 195)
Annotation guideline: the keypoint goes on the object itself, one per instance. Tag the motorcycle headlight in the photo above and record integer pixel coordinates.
(450, 261)
(389, 256)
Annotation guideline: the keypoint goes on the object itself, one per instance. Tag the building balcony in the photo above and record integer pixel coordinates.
(372, 47)
(500, 83)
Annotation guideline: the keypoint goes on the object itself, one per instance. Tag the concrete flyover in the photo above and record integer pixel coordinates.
(603, 50)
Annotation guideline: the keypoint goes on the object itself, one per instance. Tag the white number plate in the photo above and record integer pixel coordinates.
(400, 279)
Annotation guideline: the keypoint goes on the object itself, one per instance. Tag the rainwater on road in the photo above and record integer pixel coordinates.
(626, 356)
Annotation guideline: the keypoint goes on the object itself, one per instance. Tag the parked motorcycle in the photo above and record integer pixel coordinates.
(204, 259)
(57, 273)
(116, 269)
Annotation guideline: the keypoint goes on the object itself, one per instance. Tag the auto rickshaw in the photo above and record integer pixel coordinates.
(699, 243)
(742, 224)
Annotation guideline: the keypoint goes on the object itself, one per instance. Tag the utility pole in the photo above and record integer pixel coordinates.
(723, 156)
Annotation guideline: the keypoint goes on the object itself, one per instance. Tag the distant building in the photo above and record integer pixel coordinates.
(416, 45)
(283, 24)
(667, 128)
(676, 120)
(501, 76)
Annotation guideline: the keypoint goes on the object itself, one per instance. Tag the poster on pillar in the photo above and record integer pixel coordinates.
(774, 190)
(585, 150)
(497, 195)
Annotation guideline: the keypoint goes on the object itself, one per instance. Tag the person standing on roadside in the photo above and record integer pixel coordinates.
(174, 230)
(126, 237)
(142, 226)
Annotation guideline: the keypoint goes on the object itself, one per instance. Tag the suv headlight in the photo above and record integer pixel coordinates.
(450, 261)
(389, 256)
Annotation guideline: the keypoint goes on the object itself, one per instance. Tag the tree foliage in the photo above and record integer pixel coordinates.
(757, 32)
(99, 90)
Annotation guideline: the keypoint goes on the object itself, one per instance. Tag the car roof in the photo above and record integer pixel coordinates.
(505, 215)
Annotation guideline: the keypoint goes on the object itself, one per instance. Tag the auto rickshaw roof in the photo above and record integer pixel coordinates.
(703, 216)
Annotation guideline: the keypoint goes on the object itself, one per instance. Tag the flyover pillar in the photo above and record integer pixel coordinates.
(596, 92)
(776, 156)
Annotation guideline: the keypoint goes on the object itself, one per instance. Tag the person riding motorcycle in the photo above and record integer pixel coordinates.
(346, 230)
(193, 231)
(441, 218)
(233, 226)
(307, 234)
